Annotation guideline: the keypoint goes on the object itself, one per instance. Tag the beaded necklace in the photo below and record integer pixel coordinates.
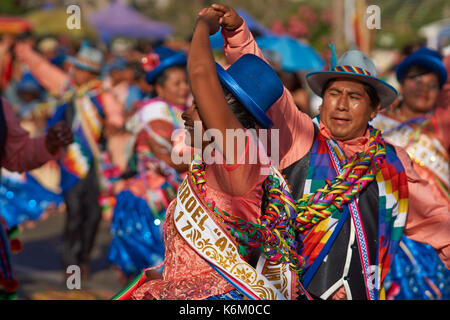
(274, 230)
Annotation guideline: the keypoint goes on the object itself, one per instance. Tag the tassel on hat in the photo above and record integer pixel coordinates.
(333, 61)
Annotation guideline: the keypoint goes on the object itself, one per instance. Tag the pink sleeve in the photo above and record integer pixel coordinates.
(296, 130)
(428, 220)
(49, 76)
(21, 153)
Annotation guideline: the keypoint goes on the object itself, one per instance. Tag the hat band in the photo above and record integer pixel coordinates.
(88, 63)
(352, 69)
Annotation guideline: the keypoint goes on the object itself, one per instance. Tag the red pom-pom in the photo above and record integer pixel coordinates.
(16, 245)
(10, 285)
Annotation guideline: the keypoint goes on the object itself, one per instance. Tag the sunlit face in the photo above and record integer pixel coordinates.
(190, 116)
(175, 89)
(81, 76)
(420, 92)
(346, 109)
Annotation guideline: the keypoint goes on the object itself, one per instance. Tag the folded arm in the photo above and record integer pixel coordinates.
(428, 220)
(22, 153)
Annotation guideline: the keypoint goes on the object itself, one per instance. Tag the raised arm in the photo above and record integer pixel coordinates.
(296, 129)
(49, 76)
(208, 94)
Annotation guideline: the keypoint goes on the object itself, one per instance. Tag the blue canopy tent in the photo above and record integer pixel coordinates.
(255, 27)
(295, 55)
(121, 20)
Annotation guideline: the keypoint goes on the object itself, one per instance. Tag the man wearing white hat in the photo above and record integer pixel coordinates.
(92, 113)
(356, 193)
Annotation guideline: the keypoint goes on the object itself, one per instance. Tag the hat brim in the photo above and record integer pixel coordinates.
(387, 93)
(427, 61)
(84, 66)
(178, 59)
(229, 83)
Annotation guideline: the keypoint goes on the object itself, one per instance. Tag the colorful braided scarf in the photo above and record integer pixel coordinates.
(357, 172)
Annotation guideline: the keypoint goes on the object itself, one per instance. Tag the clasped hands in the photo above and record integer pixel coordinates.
(218, 15)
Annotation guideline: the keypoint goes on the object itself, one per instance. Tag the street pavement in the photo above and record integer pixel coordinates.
(38, 268)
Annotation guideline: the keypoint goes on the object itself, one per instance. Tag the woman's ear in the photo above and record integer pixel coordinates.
(375, 111)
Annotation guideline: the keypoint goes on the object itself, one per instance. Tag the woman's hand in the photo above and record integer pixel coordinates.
(230, 19)
(211, 18)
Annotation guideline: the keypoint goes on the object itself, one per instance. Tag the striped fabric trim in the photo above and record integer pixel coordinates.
(352, 69)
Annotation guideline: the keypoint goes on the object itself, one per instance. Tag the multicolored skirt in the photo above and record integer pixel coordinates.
(417, 273)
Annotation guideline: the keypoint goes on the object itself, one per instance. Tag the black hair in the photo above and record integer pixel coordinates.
(138, 71)
(247, 120)
(371, 92)
(417, 70)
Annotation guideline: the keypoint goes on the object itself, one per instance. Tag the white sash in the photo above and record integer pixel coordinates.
(426, 151)
(269, 281)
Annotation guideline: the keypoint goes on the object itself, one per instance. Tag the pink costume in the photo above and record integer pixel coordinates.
(186, 275)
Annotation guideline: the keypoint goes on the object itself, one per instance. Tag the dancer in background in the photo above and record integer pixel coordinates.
(417, 272)
(216, 220)
(94, 115)
(142, 199)
(20, 153)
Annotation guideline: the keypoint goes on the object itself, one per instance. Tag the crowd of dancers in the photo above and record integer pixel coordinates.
(355, 207)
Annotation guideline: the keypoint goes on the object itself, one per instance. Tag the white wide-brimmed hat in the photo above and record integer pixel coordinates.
(353, 65)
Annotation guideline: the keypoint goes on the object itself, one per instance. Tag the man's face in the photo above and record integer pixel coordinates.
(346, 109)
(81, 76)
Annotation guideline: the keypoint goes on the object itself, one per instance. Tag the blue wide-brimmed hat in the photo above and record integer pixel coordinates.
(88, 58)
(255, 84)
(353, 65)
(425, 57)
(29, 83)
(167, 58)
